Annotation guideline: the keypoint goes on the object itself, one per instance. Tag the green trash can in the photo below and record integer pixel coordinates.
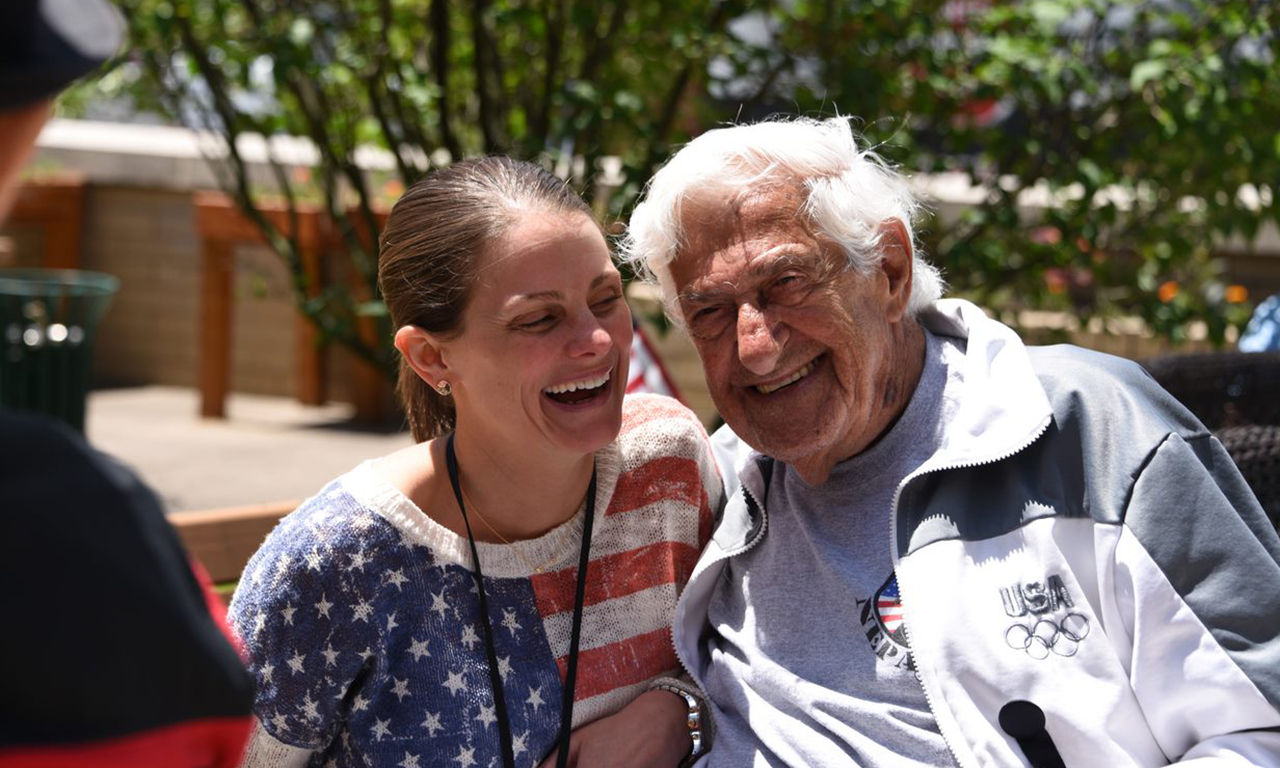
(47, 322)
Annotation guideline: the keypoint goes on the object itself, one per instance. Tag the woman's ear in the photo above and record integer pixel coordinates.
(422, 351)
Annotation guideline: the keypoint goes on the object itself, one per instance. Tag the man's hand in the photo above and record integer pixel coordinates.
(650, 732)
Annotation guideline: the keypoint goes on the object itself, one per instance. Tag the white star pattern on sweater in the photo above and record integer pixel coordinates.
(397, 578)
(535, 698)
(401, 689)
(330, 655)
(357, 561)
(432, 723)
(455, 683)
(469, 636)
(439, 604)
(466, 757)
(409, 761)
(510, 622)
(295, 662)
(322, 607)
(361, 611)
(487, 716)
(418, 649)
(309, 709)
(380, 729)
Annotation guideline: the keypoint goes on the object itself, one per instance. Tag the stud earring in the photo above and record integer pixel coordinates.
(443, 388)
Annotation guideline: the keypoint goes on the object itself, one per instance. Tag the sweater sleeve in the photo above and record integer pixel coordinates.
(304, 614)
(1198, 576)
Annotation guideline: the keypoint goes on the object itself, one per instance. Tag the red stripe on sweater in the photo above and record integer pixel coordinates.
(623, 663)
(209, 743)
(611, 576)
(666, 477)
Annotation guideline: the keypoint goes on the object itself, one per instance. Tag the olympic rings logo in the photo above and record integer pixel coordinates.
(1046, 636)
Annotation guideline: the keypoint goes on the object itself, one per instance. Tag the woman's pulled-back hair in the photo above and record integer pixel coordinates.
(430, 247)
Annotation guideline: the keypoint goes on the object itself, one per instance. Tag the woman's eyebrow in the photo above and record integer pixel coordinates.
(603, 277)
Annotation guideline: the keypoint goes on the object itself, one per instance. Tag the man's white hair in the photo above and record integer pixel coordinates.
(849, 190)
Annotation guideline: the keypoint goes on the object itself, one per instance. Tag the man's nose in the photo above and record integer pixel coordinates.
(759, 340)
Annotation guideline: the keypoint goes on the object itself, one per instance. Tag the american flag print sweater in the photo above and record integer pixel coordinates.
(362, 624)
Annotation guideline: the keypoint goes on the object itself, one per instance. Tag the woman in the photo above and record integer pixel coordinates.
(429, 608)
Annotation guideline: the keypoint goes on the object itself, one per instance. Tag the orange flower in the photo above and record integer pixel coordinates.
(1237, 294)
(1167, 290)
(1055, 280)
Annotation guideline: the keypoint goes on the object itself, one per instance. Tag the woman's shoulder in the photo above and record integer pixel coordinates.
(335, 527)
(662, 434)
(652, 412)
(337, 515)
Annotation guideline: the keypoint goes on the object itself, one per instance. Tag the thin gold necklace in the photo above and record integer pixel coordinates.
(514, 548)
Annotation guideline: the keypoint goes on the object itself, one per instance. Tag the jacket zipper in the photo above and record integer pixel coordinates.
(893, 555)
(764, 524)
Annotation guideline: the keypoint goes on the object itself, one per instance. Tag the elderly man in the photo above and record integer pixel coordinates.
(947, 548)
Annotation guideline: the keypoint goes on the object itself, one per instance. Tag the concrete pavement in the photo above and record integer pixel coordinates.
(269, 449)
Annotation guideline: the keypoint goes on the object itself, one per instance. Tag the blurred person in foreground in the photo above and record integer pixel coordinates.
(114, 652)
(999, 555)
(469, 600)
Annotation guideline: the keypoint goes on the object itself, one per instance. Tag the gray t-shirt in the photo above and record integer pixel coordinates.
(809, 664)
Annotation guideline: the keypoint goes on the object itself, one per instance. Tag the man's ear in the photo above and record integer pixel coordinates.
(422, 350)
(897, 258)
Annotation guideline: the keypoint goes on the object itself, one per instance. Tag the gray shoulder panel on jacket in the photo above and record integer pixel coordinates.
(1108, 417)
(1197, 519)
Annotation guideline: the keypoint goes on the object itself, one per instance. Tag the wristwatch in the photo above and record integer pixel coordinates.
(693, 721)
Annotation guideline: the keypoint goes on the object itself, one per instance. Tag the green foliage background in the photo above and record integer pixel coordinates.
(1136, 133)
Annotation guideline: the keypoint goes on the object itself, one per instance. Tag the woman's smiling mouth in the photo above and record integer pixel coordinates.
(579, 391)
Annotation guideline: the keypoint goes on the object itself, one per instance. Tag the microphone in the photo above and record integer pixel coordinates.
(1024, 721)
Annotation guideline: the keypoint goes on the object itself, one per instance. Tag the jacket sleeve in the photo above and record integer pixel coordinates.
(1198, 580)
(110, 655)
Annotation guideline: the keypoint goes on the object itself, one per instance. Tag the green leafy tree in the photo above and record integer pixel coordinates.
(1111, 141)
(570, 83)
(1134, 134)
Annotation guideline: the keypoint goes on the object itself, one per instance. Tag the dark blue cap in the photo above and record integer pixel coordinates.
(45, 45)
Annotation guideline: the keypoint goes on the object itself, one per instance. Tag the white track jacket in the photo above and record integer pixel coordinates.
(1080, 542)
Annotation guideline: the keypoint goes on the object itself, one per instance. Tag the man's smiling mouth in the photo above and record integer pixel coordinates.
(803, 371)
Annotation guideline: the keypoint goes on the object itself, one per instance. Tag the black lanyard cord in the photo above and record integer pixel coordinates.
(571, 674)
(495, 676)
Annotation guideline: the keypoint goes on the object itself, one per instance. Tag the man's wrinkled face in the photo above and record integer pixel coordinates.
(797, 347)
